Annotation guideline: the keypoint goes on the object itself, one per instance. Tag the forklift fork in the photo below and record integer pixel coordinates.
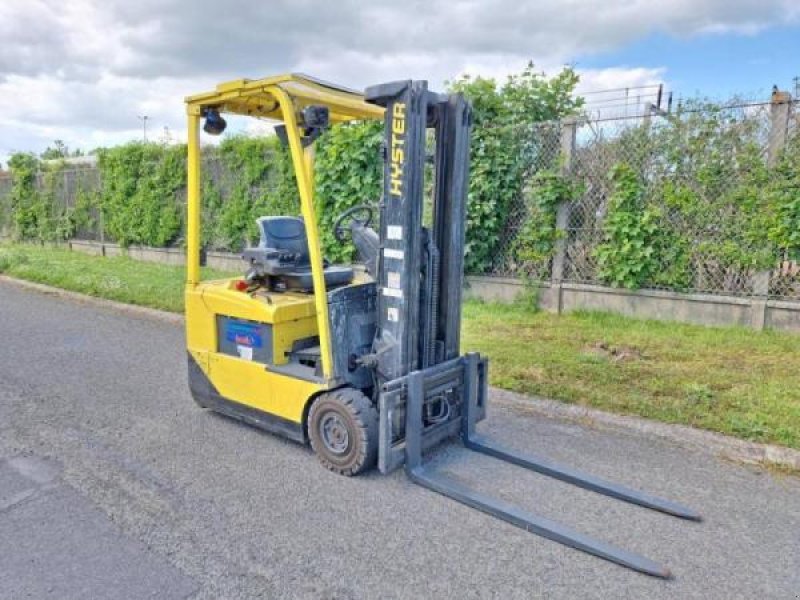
(474, 389)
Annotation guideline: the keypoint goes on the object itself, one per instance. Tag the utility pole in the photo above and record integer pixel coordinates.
(796, 80)
(143, 119)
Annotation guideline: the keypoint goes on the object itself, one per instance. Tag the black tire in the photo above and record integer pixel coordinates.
(343, 429)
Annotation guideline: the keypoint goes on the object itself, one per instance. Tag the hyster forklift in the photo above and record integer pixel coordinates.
(364, 363)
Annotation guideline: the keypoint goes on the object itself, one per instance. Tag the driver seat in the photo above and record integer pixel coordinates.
(282, 253)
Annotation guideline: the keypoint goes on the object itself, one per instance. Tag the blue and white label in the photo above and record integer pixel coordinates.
(243, 334)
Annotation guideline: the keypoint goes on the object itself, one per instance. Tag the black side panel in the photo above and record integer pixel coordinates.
(200, 386)
(352, 317)
(207, 396)
(397, 339)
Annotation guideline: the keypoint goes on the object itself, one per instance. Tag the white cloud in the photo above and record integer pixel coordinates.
(619, 77)
(83, 70)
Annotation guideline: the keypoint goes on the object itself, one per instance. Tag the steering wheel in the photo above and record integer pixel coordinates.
(362, 210)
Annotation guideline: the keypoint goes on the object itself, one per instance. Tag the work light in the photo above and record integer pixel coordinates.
(214, 124)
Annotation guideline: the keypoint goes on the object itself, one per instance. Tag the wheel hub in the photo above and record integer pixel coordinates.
(334, 433)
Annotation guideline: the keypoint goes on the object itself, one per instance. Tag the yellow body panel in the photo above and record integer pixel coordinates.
(250, 384)
(293, 316)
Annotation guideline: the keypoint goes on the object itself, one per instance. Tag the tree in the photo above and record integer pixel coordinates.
(505, 149)
(59, 150)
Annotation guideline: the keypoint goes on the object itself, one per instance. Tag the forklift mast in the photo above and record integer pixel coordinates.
(420, 269)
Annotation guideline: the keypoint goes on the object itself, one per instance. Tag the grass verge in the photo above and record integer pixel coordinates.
(118, 278)
(731, 380)
(727, 379)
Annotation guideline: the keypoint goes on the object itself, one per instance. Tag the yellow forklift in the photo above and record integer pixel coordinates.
(362, 361)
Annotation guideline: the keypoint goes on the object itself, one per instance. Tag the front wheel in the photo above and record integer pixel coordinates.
(343, 428)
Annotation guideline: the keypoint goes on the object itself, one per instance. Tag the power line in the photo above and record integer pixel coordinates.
(623, 99)
(622, 89)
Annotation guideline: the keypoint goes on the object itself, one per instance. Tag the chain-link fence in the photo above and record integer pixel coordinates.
(246, 198)
(699, 200)
(525, 243)
(71, 197)
(62, 195)
(77, 191)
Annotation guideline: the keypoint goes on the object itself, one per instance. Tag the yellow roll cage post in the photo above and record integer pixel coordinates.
(279, 98)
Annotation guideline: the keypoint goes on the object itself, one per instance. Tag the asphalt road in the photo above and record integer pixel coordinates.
(114, 484)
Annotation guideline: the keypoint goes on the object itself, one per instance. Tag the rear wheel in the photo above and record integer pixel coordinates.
(343, 428)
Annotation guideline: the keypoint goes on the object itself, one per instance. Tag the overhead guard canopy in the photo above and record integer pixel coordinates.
(255, 98)
(281, 98)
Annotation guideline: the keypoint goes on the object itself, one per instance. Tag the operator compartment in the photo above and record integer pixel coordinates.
(269, 316)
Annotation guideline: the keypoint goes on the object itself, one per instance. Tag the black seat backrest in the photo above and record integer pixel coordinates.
(287, 234)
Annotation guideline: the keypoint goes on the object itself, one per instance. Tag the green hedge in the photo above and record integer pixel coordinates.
(141, 199)
(33, 208)
(505, 152)
(693, 193)
(140, 183)
(245, 178)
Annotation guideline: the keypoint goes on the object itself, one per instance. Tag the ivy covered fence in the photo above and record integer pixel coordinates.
(706, 199)
(703, 199)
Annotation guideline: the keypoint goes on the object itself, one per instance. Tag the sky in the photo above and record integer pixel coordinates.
(85, 71)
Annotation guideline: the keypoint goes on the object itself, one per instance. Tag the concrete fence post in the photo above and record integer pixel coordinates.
(778, 125)
(66, 195)
(779, 113)
(101, 224)
(569, 127)
(649, 109)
